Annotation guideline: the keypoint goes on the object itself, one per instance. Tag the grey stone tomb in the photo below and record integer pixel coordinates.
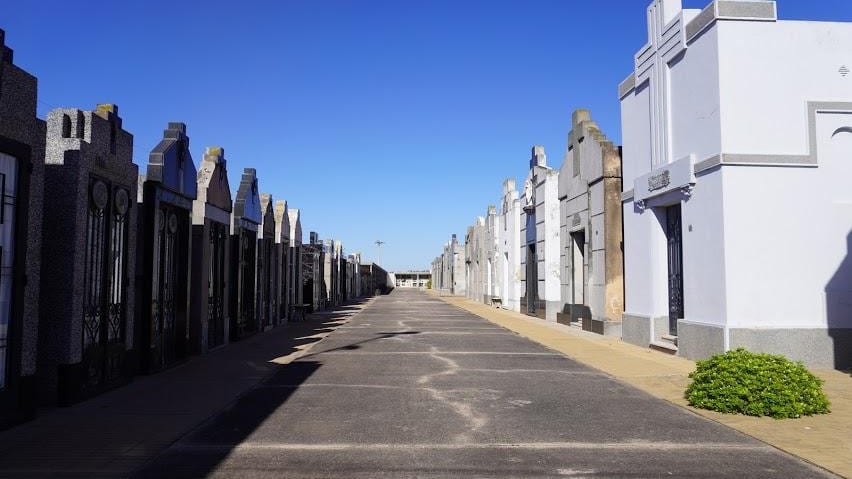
(89, 244)
(282, 266)
(267, 291)
(211, 219)
(245, 222)
(164, 252)
(21, 183)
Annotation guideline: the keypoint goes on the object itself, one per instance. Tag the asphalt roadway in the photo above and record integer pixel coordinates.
(414, 387)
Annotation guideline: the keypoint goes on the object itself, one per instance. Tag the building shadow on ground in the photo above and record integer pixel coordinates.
(201, 451)
(838, 301)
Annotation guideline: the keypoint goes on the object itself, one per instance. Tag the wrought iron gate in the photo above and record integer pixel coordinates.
(532, 279)
(674, 236)
(8, 182)
(264, 280)
(170, 259)
(218, 241)
(104, 283)
(245, 320)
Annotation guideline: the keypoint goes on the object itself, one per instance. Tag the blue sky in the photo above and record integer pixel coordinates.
(395, 120)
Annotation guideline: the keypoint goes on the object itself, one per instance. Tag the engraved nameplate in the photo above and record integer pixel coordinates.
(659, 181)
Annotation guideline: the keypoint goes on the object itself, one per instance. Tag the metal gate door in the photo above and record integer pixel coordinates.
(246, 321)
(104, 283)
(532, 279)
(9, 179)
(216, 285)
(264, 270)
(170, 256)
(674, 235)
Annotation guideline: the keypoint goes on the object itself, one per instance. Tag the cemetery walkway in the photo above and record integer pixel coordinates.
(405, 385)
(412, 386)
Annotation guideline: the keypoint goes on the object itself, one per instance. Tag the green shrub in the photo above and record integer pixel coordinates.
(756, 385)
(429, 284)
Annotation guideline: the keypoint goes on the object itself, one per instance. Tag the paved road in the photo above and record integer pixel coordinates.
(414, 387)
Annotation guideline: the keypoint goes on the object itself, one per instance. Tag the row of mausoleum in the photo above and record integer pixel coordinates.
(107, 273)
(724, 218)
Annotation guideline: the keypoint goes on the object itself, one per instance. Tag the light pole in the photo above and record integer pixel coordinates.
(379, 244)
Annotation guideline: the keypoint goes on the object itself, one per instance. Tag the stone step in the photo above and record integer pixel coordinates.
(664, 346)
(668, 338)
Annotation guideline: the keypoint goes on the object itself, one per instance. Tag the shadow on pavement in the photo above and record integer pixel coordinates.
(200, 452)
(357, 344)
(118, 432)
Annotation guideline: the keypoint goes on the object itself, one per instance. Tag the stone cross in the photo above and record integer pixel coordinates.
(651, 66)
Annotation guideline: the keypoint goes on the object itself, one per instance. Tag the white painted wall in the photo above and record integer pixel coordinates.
(510, 246)
(768, 70)
(765, 246)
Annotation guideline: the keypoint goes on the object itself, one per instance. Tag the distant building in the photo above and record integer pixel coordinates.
(412, 279)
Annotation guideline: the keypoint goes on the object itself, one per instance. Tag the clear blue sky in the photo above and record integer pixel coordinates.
(395, 120)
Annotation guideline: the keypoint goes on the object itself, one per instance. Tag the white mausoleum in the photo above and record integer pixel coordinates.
(509, 242)
(539, 253)
(737, 159)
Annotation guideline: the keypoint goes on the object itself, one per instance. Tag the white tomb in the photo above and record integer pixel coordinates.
(510, 247)
(539, 253)
(737, 132)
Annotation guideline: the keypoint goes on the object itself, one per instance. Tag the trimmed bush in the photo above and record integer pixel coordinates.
(756, 385)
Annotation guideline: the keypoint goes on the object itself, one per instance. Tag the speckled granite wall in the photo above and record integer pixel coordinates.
(22, 136)
(79, 145)
(212, 205)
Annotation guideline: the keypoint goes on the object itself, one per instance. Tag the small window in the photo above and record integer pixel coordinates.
(66, 126)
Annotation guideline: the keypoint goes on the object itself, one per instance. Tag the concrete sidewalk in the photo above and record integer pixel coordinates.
(822, 440)
(117, 432)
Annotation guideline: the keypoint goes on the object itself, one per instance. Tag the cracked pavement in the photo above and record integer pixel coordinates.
(414, 387)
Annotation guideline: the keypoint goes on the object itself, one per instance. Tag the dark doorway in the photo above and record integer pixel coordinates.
(105, 298)
(532, 279)
(218, 241)
(578, 274)
(674, 237)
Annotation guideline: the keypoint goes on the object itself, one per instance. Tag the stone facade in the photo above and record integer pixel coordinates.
(245, 225)
(592, 263)
(449, 271)
(22, 137)
(713, 166)
(510, 247)
(492, 266)
(164, 254)
(209, 324)
(282, 245)
(474, 252)
(267, 282)
(539, 253)
(86, 335)
(296, 294)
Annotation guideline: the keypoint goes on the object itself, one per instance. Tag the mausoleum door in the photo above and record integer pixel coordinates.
(105, 298)
(265, 299)
(674, 236)
(532, 279)
(217, 242)
(246, 320)
(168, 323)
(8, 183)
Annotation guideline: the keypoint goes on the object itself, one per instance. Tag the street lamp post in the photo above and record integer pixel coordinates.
(379, 244)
